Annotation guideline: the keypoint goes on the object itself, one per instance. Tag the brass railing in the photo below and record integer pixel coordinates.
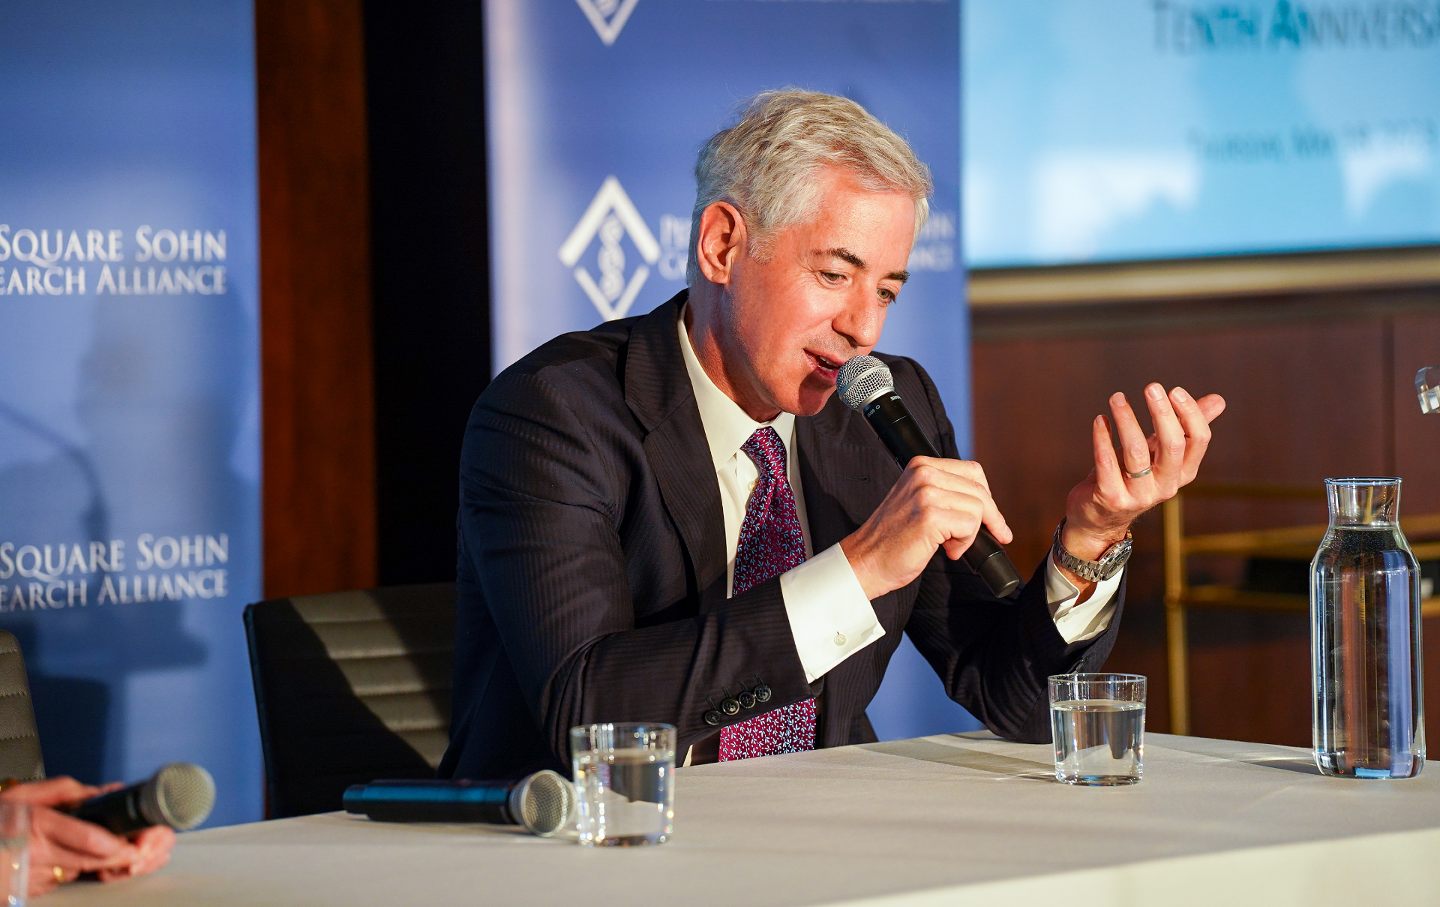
(1296, 543)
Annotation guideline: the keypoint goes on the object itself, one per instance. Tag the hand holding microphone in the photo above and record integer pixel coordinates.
(940, 504)
(178, 796)
(64, 846)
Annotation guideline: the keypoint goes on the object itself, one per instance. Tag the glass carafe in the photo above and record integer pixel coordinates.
(1369, 717)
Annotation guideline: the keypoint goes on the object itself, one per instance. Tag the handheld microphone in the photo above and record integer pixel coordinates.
(541, 803)
(179, 795)
(866, 386)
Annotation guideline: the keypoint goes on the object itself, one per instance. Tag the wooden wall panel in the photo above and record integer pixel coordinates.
(1416, 343)
(1312, 386)
(316, 353)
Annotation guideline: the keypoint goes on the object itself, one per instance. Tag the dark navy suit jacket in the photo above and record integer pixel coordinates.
(591, 575)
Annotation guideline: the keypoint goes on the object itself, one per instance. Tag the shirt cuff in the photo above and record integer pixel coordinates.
(1087, 620)
(830, 616)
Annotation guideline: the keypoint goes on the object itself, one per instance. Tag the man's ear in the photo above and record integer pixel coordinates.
(720, 241)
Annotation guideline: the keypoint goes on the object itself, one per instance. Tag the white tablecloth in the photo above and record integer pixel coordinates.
(953, 819)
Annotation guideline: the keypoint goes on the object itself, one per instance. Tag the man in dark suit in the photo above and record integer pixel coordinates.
(671, 518)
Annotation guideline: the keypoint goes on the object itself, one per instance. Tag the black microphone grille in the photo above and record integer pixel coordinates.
(542, 802)
(862, 379)
(180, 795)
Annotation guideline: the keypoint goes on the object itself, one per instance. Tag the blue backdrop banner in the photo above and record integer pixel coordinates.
(129, 449)
(596, 111)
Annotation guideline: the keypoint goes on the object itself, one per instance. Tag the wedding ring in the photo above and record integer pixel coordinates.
(1138, 475)
(59, 873)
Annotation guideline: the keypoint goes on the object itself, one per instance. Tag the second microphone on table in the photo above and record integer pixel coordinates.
(866, 386)
(542, 803)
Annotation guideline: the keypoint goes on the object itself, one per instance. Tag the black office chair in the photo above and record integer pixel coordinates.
(19, 743)
(350, 686)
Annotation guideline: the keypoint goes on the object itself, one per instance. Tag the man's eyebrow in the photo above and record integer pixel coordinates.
(851, 258)
(847, 256)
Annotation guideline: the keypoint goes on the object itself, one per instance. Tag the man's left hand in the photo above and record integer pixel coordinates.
(62, 846)
(1143, 472)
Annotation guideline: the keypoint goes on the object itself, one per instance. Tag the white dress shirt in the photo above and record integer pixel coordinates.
(829, 614)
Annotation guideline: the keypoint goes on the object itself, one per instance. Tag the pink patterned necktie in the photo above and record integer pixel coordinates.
(771, 542)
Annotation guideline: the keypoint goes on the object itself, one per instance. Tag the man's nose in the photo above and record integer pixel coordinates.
(861, 320)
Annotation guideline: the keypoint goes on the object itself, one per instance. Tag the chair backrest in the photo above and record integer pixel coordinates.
(19, 743)
(350, 687)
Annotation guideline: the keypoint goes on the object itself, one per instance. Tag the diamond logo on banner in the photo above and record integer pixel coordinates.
(608, 16)
(610, 218)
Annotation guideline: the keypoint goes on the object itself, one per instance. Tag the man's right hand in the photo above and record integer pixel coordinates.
(937, 503)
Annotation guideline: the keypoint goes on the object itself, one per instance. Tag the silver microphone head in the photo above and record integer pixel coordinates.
(180, 795)
(862, 379)
(542, 802)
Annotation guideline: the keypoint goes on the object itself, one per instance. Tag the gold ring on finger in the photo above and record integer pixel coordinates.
(59, 873)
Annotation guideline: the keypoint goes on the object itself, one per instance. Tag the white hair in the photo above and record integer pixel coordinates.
(765, 164)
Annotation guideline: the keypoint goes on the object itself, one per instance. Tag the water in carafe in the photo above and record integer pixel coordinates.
(1365, 644)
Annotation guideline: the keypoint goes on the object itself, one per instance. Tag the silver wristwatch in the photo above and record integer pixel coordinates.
(1094, 571)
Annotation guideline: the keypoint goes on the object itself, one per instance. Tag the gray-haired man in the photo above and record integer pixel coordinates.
(671, 518)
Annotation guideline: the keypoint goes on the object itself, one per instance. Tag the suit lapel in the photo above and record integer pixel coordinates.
(660, 396)
(845, 473)
(838, 473)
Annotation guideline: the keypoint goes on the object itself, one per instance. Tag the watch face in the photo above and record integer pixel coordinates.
(1118, 552)
(1109, 564)
(1112, 560)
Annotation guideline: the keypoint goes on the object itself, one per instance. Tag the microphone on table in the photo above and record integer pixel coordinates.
(179, 795)
(541, 803)
(866, 386)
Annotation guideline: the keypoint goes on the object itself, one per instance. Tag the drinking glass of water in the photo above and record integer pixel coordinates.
(14, 851)
(1098, 724)
(624, 783)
